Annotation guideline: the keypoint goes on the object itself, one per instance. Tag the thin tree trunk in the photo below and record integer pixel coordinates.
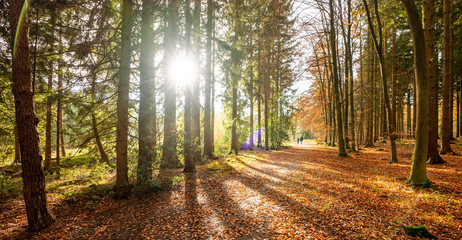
(379, 49)
(103, 154)
(212, 118)
(235, 79)
(189, 165)
(251, 104)
(350, 58)
(195, 108)
(59, 110)
(208, 81)
(33, 175)
(447, 81)
(49, 115)
(393, 80)
(341, 143)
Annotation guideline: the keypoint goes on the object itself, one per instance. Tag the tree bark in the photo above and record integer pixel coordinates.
(146, 130)
(350, 58)
(169, 149)
(419, 157)
(208, 81)
(59, 110)
(122, 184)
(33, 175)
(428, 15)
(195, 108)
(49, 102)
(341, 143)
(17, 151)
(234, 78)
(379, 50)
(189, 165)
(447, 81)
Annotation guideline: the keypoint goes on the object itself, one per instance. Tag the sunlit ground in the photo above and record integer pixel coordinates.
(298, 193)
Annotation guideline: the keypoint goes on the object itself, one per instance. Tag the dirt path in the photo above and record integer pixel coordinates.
(296, 193)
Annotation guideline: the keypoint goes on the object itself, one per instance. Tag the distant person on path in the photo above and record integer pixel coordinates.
(298, 140)
(301, 140)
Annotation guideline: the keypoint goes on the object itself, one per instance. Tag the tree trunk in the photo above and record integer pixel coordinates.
(341, 143)
(447, 81)
(350, 58)
(251, 104)
(122, 184)
(196, 114)
(49, 102)
(147, 134)
(419, 157)
(428, 15)
(370, 87)
(189, 165)
(59, 113)
(234, 78)
(169, 149)
(33, 175)
(208, 81)
(379, 50)
(394, 80)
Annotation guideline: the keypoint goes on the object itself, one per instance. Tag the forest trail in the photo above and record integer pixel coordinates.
(301, 192)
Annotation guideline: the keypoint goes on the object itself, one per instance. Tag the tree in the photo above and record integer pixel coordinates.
(49, 102)
(333, 47)
(428, 15)
(235, 75)
(195, 107)
(33, 175)
(208, 81)
(146, 124)
(122, 184)
(189, 166)
(378, 43)
(447, 81)
(169, 149)
(419, 157)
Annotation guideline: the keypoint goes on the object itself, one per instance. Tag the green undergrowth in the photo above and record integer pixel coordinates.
(75, 174)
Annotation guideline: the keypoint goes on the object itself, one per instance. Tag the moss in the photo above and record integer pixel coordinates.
(419, 231)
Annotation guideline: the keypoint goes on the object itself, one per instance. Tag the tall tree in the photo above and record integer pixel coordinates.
(378, 43)
(351, 94)
(169, 149)
(189, 165)
(235, 75)
(146, 128)
(428, 15)
(33, 175)
(419, 157)
(335, 78)
(49, 100)
(122, 184)
(59, 109)
(195, 108)
(447, 80)
(208, 81)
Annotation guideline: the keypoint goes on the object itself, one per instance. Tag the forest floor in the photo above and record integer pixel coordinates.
(301, 192)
